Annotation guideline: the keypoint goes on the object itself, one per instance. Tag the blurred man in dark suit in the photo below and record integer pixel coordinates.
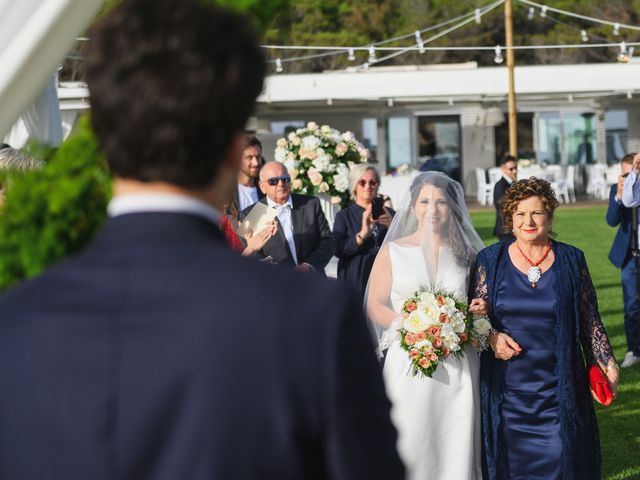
(157, 353)
(509, 170)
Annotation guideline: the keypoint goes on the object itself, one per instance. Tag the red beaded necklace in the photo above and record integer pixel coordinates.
(534, 273)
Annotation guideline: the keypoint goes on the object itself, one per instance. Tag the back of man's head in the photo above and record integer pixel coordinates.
(172, 83)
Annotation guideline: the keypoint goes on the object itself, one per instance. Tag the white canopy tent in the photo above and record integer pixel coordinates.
(34, 37)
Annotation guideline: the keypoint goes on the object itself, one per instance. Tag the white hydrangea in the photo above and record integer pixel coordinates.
(281, 154)
(323, 163)
(290, 164)
(341, 179)
(348, 137)
(311, 142)
(312, 126)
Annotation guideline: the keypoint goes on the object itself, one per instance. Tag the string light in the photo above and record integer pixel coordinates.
(625, 53)
(451, 102)
(390, 102)
(329, 101)
(584, 36)
(478, 16)
(570, 98)
(352, 55)
(279, 68)
(498, 57)
(532, 13)
(372, 54)
(616, 29)
(543, 11)
(419, 41)
(629, 95)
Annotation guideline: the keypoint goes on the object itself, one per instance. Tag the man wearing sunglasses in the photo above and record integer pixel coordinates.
(304, 240)
(509, 172)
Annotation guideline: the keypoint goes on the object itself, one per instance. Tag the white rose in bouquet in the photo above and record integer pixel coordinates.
(312, 126)
(341, 149)
(326, 129)
(324, 187)
(416, 322)
(282, 143)
(297, 184)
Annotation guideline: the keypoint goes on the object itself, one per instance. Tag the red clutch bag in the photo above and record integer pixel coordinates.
(600, 385)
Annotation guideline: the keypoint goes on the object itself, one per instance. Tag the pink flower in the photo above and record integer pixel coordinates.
(433, 331)
(421, 336)
(464, 336)
(410, 306)
(441, 300)
(414, 353)
(444, 318)
(437, 343)
(315, 177)
(445, 352)
(423, 362)
(433, 357)
(341, 149)
(410, 339)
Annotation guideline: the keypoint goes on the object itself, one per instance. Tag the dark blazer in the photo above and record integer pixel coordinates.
(498, 190)
(311, 234)
(355, 261)
(619, 216)
(141, 358)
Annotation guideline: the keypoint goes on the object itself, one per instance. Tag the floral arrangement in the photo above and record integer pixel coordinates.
(434, 325)
(318, 160)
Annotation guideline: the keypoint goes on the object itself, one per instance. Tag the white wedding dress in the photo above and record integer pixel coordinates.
(438, 418)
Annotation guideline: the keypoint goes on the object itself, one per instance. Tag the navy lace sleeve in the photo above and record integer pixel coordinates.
(478, 287)
(594, 339)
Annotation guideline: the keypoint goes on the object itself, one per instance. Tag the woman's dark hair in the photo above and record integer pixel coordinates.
(171, 84)
(461, 250)
(523, 189)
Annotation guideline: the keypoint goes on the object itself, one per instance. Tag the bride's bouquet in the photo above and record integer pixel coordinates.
(434, 325)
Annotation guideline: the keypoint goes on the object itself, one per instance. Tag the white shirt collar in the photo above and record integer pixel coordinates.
(273, 204)
(161, 202)
(508, 179)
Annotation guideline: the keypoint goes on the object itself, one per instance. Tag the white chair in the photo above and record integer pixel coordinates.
(596, 183)
(495, 174)
(485, 190)
(553, 174)
(611, 174)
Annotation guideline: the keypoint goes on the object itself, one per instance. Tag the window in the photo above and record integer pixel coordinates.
(398, 142)
(566, 138)
(439, 145)
(370, 137)
(617, 135)
(283, 127)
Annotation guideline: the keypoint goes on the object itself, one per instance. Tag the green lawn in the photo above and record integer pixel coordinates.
(586, 229)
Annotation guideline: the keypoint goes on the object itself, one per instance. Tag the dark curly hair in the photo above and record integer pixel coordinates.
(523, 189)
(171, 84)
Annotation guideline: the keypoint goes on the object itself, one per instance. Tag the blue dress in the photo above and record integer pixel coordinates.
(529, 407)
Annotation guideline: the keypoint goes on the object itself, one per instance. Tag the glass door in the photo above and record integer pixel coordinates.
(439, 145)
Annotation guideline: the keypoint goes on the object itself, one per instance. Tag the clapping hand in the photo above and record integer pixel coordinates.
(257, 241)
(367, 223)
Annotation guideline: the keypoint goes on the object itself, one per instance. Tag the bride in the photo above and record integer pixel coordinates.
(431, 242)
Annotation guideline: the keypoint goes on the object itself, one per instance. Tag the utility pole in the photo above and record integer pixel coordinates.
(513, 124)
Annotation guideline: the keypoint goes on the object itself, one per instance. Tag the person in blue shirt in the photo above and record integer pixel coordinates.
(625, 196)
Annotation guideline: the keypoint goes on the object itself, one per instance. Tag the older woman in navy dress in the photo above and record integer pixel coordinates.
(538, 415)
(357, 235)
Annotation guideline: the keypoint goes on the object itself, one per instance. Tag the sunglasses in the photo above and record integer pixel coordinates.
(363, 183)
(273, 181)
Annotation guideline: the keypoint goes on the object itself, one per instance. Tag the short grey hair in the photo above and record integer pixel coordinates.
(12, 159)
(357, 172)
